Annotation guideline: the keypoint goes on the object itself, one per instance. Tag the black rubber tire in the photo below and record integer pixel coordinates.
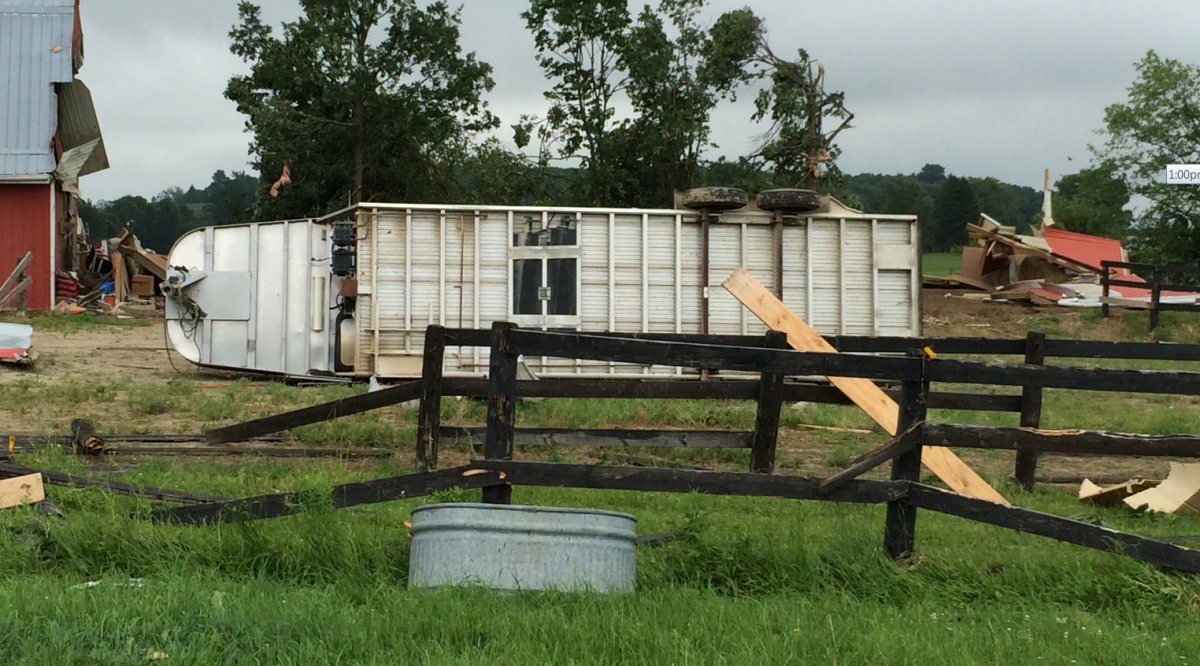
(714, 198)
(789, 200)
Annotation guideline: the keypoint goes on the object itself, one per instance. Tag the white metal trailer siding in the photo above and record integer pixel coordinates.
(638, 271)
(268, 296)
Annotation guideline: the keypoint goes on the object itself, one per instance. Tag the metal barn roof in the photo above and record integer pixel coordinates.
(35, 53)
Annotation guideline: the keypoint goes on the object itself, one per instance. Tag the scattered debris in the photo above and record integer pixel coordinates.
(16, 343)
(132, 582)
(1178, 493)
(1052, 266)
(1112, 495)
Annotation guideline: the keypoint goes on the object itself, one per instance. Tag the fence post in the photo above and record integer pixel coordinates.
(900, 529)
(1155, 295)
(766, 420)
(1031, 409)
(429, 416)
(501, 406)
(1104, 276)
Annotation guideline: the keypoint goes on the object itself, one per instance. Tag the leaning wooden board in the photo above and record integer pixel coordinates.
(869, 397)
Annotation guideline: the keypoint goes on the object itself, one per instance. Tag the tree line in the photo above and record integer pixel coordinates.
(378, 100)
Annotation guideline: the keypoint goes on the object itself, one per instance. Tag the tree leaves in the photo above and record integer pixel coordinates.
(1158, 125)
(364, 99)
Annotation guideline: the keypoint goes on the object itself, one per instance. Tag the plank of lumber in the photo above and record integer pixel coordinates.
(14, 470)
(21, 286)
(869, 397)
(891, 450)
(325, 411)
(15, 276)
(25, 489)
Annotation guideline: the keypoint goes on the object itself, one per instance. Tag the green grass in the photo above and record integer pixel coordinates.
(941, 263)
(748, 580)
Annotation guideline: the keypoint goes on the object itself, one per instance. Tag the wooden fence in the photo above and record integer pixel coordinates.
(1157, 284)
(497, 473)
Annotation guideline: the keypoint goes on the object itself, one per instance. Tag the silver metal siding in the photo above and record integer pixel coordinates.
(31, 31)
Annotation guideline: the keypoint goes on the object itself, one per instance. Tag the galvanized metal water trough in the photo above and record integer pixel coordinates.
(522, 547)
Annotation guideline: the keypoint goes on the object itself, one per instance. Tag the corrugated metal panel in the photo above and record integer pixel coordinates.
(24, 227)
(825, 257)
(858, 317)
(35, 49)
(77, 124)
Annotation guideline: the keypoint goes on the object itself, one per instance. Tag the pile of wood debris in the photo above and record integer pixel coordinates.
(1178, 493)
(119, 271)
(1051, 267)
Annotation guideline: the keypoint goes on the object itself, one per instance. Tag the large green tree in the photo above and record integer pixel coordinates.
(1093, 201)
(799, 145)
(661, 67)
(953, 208)
(362, 99)
(1159, 124)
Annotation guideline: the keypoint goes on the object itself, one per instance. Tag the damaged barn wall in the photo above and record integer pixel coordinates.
(25, 226)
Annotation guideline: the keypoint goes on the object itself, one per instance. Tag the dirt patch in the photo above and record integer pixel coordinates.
(101, 354)
(76, 366)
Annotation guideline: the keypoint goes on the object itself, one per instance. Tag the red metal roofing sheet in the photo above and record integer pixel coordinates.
(1083, 248)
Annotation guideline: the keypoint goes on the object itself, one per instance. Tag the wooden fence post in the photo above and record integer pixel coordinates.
(1155, 295)
(501, 406)
(1031, 409)
(1104, 277)
(429, 418)
(900, 529)
(766, 420)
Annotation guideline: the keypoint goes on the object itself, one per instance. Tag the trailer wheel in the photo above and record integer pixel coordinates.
(714, 198)
(789, 200)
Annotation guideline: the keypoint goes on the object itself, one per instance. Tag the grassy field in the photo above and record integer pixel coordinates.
(748, 581)
(940, 263)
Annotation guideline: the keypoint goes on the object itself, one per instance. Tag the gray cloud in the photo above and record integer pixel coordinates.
(984, 88)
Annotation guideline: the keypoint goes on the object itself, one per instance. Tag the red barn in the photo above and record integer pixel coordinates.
(49, 137)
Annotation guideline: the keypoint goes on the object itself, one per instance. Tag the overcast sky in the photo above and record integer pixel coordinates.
(982, 87)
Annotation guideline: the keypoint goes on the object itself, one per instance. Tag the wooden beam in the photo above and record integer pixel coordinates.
(1056, 527)
(15, 276)
(429, 415)
(117, 487)
(690, 439)
(501, 405)
(1068, 442)
(315, 414)
(16, 291)
(1031, 410)
(770, 399)
(386, 489)
(893, 448)
(900, 524)
(656, 479)
(869, 397)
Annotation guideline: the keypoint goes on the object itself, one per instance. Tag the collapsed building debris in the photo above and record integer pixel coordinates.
(118, 271)
(1051, 267)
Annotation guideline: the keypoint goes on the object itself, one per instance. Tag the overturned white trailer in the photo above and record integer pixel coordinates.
(350, 294)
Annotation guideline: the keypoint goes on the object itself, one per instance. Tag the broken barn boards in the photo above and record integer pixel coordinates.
(869, 397)
(18, 490)
(1178, 493)
(1112, 495)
